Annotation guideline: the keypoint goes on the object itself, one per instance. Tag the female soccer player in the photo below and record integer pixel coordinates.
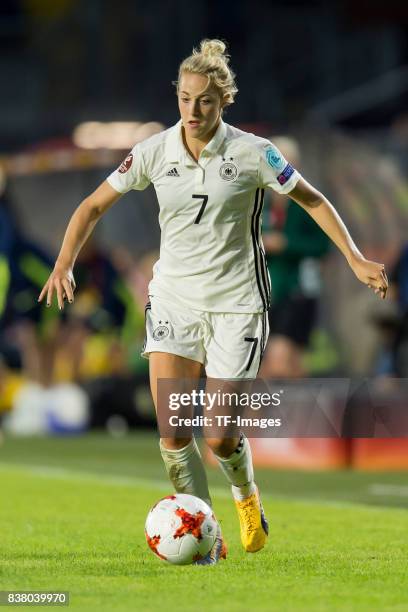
(209, 294)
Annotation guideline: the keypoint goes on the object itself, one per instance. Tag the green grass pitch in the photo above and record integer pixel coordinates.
(72, 513)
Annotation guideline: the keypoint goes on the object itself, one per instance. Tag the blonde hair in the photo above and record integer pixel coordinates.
(212, 61)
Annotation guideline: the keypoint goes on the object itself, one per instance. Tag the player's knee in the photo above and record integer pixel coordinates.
(175, 443)
(222, 447)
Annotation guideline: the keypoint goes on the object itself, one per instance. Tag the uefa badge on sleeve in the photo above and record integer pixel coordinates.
(274, 158)
(285, 175)
(228, 170)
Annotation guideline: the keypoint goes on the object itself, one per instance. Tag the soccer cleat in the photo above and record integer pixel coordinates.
(218, 551)
(253, 524)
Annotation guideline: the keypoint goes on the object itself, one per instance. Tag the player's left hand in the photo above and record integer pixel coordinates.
(371, 274)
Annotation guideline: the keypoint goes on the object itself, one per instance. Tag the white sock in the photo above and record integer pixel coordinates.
(186, 470)
(239, 470)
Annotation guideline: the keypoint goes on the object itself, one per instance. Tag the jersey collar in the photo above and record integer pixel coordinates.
(176, 151)
(216, 141)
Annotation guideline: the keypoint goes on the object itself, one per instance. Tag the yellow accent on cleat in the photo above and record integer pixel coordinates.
(253, 535)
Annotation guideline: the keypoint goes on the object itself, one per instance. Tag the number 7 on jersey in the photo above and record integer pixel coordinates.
(204, 198)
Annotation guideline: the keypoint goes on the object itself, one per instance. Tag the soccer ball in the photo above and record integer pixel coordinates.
(181, 529)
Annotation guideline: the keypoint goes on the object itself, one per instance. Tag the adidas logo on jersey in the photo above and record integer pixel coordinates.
(172, 172)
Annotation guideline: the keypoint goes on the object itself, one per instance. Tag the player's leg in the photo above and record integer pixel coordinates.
(230, 355)
(181, 456)
(174, 345)
(238, 468)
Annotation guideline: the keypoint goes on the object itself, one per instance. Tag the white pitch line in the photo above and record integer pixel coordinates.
(45, 471)
(389, 489)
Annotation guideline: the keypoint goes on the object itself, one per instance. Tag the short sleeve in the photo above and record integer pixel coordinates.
(131, 173)
(274, 171)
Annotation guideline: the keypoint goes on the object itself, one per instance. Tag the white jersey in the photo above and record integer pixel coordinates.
(211, 253)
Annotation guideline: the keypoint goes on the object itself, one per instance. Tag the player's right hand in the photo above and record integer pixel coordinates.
(61, 281)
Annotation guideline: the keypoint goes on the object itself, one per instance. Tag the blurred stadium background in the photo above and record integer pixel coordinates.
(82, 82)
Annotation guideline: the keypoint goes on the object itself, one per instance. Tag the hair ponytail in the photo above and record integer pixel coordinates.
(212, 61)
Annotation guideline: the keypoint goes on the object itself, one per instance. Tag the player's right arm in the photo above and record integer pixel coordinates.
(131, 174)
(81, 224)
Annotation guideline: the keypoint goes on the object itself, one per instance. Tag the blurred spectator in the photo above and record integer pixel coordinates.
(294, 244)
(137, 272)
(26, 325)
(89, 339)
(104, 320)
(393, 324)
(45, 353)
(399, 338)
(399, 279)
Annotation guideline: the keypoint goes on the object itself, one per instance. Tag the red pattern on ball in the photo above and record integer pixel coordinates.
(153, 544)
(190, 523)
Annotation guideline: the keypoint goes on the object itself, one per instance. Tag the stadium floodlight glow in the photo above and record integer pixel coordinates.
(113, 134)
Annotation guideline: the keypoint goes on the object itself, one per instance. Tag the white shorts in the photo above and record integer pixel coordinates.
(229, 345)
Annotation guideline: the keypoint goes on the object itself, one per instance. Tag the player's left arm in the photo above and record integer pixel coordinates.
(323, 212)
